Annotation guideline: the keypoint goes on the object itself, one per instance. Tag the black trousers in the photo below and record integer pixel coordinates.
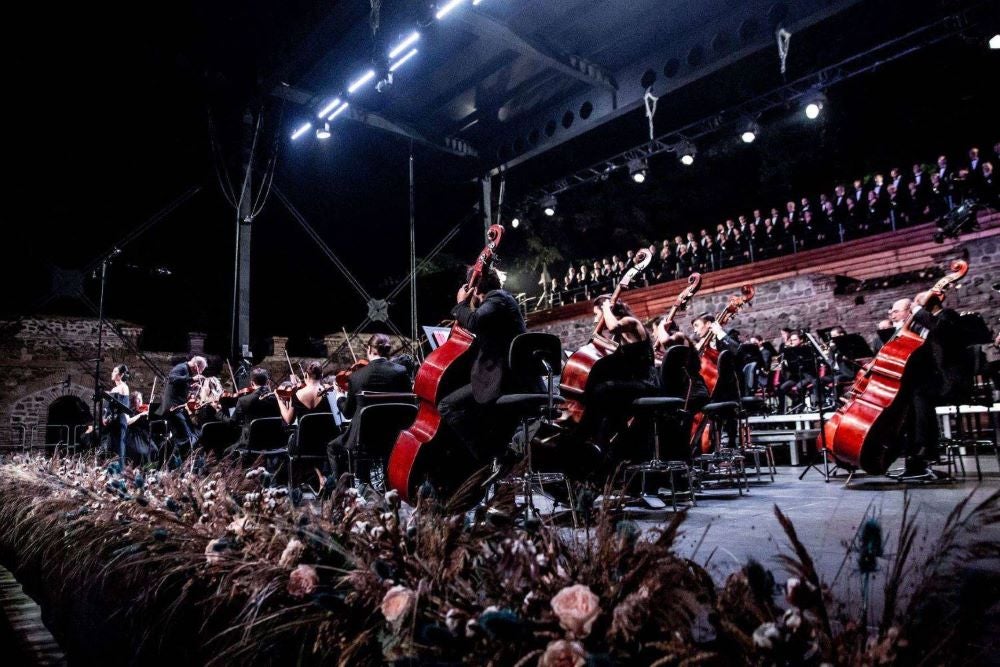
(184, 433)
(478, 426)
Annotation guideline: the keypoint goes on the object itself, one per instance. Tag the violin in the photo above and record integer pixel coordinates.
(228, 398)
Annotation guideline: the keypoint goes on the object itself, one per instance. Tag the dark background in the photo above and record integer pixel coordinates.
(118, 110)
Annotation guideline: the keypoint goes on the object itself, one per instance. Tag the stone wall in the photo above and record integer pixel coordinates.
(809, 302)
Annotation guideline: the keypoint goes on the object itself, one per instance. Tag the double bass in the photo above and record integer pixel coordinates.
(594, 362)
(864, 432)
(443, 371)
(709, 357)
(694, 283)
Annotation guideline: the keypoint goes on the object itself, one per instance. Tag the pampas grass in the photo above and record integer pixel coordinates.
(195, 566)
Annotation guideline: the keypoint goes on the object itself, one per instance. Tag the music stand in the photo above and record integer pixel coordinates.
(805, 355)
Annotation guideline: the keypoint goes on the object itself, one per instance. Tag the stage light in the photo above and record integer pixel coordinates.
(637, 169)
(447, 8)
(328, 108)
(402, 60)
(687, 152)
(995, 42)
(814, 104)
(402, 46)
(365, 78)
(339, 111)
(750, 132)
(323, 132)
(515, 222)
(476, 2)
(549, 205)
(299, 132)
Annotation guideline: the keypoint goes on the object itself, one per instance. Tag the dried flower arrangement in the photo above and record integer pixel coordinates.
(211, 564)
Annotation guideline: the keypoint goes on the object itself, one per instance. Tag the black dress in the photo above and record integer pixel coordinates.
(117, 425)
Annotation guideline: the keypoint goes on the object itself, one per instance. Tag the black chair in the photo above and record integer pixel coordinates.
(532, 356)
(659, 409)
(373, 432)
(309, 442)
(724, 464)
(267, 437)
(217, 437)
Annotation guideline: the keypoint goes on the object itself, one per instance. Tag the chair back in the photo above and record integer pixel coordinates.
(674, 377)
(315, 431)
(727, 388)
(529, 350)
(266, 433)
(217, 436)
(376, 426)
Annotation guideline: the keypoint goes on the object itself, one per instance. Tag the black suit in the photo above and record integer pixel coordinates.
(248, 408)
(495, 323)
(175, 394)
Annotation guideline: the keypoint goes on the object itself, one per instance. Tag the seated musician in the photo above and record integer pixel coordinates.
(492, 314)
(380, 375)
(684, 381)
(705, 323)
(939, 377)
(308, 399)
(257, 404)
(610, 402)
(175, 395)
(797, 379)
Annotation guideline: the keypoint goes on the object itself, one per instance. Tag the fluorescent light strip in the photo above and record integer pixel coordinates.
(402, 60)
(414, 36)
(476, 2)
(328, 108)
(338, 111)
(365, 78)
(446, 9)
(298, 133)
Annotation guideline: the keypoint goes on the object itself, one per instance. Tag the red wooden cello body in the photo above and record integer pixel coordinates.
(594, 362)
(864, 432)
(418, 449)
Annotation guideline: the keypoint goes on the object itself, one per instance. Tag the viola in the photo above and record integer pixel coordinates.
(418, 449)
(864, 432)
(710, 357)
(594, 362)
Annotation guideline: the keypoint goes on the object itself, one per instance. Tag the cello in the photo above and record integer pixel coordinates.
(709, 356)
(594, 362)
(444, 370)
(864, 432)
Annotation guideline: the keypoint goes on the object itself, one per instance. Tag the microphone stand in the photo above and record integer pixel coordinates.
(813, 463)
(98, 392)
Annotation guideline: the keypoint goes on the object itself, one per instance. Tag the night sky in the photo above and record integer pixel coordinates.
(117, 112)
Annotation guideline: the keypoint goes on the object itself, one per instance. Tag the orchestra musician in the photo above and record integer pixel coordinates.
(492, 315)
(259, 403)
(309, 398)
(115, 418)
(175, 396)
(705, 323)
(939, 378)
(684, 382)
(610, 403)
(139, 446)
(796, 379)
(380, 375)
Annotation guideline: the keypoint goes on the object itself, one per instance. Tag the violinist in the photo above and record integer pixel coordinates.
(175, 396)
(139, 445)
(115, 418)
(610, 403)
(939, 378)
(797, 377)
(380, 375)
(492, 314)
(308, 398)
(258, 403)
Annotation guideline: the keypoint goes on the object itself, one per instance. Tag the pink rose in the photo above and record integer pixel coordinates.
(302, 581)
(576, 607)
(563, 653)
(397, 603)
(292, 553)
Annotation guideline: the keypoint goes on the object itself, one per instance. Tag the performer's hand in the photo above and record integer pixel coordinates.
(718, 330)
(463, 294)
(928, 299)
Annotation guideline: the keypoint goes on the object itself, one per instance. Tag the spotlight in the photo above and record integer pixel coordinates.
(515, 222)
(995, 42)
(302, 130)
(750, 132)
(323, 132)
(638, 169)
(814, 104)
(447, 8)
(687, 152)
(549, 205)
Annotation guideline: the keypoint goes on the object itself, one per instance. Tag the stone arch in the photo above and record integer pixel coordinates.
(30, 412)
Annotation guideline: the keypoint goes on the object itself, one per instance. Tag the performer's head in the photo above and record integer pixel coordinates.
(198, 364)
(379, 345)
(314, 371)
(135, 399)
(489, 280)
(259, 377)
(618, 309)
(120, 373)
(702, 324)
(794, 339)
(662, 330)
(900, 312)
(837, 331)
